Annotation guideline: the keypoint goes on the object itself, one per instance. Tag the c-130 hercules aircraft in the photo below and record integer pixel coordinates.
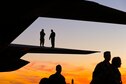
(18, 15)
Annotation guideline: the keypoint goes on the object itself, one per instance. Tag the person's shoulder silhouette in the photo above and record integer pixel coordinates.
(57, 78)
(42, 33)
(44, 81)
(52, 34)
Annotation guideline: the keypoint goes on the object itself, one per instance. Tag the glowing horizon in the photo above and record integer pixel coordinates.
(35, 71)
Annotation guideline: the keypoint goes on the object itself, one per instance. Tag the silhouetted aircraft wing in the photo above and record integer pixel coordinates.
(10, 64)
(49, 50)
(10, 58)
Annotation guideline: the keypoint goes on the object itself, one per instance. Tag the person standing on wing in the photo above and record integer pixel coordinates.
(52, 37)
(42, 39)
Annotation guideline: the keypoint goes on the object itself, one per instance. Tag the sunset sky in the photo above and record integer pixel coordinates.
(84, 35)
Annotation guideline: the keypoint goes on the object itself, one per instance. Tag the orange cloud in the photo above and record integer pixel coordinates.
(33, 72)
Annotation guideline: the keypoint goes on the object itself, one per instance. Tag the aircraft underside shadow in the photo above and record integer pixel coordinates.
(14, 22)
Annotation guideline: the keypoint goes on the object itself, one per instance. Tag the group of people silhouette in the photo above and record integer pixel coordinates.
(51, 37)
(104, 72)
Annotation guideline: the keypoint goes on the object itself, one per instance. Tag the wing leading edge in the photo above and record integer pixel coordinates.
(49, 50)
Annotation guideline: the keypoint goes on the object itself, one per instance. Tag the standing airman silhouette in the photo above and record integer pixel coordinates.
(42, 39)
(52, 37)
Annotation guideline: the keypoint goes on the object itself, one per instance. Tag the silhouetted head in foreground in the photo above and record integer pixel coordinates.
(116, 61)
(58, 69)
(116, 75)
(57, 78)
(107, 56)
